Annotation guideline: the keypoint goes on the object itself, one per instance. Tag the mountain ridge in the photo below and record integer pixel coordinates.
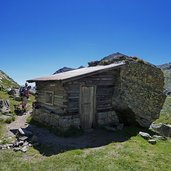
(166, 68)
(6, 81)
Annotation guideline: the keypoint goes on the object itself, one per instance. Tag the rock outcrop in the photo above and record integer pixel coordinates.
(138, 97)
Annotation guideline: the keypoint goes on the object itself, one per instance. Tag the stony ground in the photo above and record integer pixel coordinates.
(91, 138)
(20, 122)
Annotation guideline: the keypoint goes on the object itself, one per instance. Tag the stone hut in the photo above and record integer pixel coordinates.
(129, 92)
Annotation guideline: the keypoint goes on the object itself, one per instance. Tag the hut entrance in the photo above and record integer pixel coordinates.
(87, 106)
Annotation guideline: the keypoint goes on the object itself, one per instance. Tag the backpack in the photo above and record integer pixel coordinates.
(21, 91)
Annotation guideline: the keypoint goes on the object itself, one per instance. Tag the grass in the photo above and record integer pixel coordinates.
(165, 114)
(167, 75)
(4, 95)
(134, 154)
(2, 129)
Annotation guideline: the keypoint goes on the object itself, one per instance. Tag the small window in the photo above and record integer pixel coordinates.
(49, 98)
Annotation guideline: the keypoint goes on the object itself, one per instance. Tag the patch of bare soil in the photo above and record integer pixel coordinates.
(20, 122)
(52, 144)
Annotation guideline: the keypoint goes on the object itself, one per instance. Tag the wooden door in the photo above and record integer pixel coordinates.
(87, 106)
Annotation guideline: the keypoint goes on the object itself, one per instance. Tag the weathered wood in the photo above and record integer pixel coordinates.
(60, 97)
(52, 108)
(87, 106)
(105, 88)
(67, 96)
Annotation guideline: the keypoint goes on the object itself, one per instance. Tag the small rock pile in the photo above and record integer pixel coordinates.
(151, 139)
(162, 129)
(24, 140)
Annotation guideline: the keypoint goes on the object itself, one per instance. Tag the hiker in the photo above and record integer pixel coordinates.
(25, 97)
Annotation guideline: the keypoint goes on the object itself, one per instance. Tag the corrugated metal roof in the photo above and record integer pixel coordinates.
(77, 73)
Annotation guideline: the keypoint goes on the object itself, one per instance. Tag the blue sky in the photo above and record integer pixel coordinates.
(37, 37)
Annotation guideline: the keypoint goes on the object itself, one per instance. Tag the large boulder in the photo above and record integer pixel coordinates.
(138, 96)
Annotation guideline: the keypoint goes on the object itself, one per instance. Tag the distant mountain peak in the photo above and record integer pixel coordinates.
(65, 69)
(166, 66)
(167, 74)
(114, 55)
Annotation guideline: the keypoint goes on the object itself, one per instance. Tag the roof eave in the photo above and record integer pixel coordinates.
(79, 76)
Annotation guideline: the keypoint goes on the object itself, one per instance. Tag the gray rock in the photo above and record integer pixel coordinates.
(21, 143)
(4, 148)
(158, 137)
(162, 129)
(10, 145)
(23, 138)
(24, 149)
(30, 145)
(26, 144)
(5, 106)
(21, 131)
(152, 141)
(24, 132)
(145, 135)
(16, 149)
(16, 144)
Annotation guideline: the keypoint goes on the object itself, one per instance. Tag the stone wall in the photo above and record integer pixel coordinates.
(55, 120)
(139, 96)
(107, 118)
(64, 122)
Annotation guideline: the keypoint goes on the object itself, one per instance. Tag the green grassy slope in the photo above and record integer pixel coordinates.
(165, 114)
(134, 154)
(6, 81)
(166, 68)
(167, 74)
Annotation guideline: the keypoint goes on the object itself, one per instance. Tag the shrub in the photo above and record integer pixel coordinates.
(140, 61)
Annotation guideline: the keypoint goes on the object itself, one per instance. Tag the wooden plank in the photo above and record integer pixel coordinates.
(52, 108)
(60, 97)
(87, 106)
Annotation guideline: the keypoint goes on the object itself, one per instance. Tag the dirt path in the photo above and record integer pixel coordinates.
(20, 122)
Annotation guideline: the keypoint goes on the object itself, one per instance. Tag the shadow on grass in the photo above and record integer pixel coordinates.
(52, 144)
